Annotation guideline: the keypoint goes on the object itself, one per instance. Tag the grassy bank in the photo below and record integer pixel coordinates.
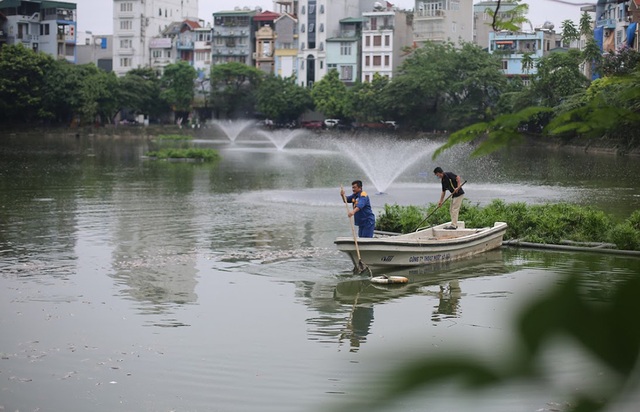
(550, 223)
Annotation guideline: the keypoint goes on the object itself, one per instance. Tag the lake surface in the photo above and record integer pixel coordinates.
(133, 285)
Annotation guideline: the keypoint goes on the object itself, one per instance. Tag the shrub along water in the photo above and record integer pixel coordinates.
(549, 223)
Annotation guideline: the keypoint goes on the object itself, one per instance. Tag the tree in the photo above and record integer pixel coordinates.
(282, 99)
(569, 33)
(61, 98)
(527, 62)
(178, 86)
(369, 100)
(233, 89)
(515, 18)
(140, 92)
(22, 80)
(98, 95)
(557, 77)
(330, 96)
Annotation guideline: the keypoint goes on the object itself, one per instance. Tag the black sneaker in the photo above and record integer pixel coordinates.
(450, 227)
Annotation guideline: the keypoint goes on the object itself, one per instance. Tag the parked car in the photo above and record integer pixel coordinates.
(331, 123)
(391, 124)
(312, 124)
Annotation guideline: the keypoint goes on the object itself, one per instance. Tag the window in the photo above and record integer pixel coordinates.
(377, 41)
(126, 25)
(201, 56)
(367, 41)
(374, 23)
(387, 40)
(312, 27)
(156, 54)
(377, 61)
(367, 78)
(125, 43)
(386, 60)
(346, 72)
(367, 61)
(125, 62)
(124, 7)
(345, 48)
(505, 65)
(322, 9)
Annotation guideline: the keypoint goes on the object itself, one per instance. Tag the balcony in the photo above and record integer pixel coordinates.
(430, 14)
(184, 45)
(606, 23)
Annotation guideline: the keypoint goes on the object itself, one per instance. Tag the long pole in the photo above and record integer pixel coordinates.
(434, 210)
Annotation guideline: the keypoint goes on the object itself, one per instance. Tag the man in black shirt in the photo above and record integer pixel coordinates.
(452, 183)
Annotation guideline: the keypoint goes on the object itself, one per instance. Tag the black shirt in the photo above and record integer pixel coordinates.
(449, 182)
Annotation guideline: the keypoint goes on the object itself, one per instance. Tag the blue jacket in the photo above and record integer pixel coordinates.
(365, 216)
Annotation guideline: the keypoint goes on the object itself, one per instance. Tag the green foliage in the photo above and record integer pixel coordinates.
(173, 137)
(282, 99)
(330, 96)
(368, 100)
(188, 153)
(569, 32)
(178, 86)
(549, 223)
(602, 331)
(514, 18)
(22, 81)
(140, 92)
(619, 63)
(233, 88)
(400, 219)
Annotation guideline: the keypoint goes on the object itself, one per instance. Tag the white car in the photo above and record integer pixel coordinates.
(331, 122)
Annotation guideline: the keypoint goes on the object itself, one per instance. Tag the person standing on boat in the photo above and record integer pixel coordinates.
(452, 183)
(362, 214)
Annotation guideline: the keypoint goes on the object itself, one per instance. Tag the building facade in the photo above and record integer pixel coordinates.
(286, 46)
(233, 38)
(45, 26)
(137, 22)
(443, 21)
(386, 31)
(344, 51)
(513, 46)
(96, 49)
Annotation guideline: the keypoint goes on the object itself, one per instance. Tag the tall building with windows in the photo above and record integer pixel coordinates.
(385, 33)
(233, 36)
(442, 21)
(46, 26)
(137, 22)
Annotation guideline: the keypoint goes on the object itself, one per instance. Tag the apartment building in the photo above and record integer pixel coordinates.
(344, 51)
(512, 47)
(137, 22)
(233, 36)
(186, 41)
(96, 49)
(386, 31)
(286, 46)
(482, 19)
(265, 35)
(45, 26)
(615, 25)
(443, 21)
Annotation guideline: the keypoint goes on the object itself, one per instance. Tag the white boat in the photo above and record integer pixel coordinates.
(423, 247)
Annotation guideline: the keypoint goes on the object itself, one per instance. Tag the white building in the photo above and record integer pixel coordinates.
(442, 21)
(385, 33)
(45, 26)
(136, 22)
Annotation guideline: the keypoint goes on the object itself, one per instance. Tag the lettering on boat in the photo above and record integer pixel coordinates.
(429, 258)
(387, 258)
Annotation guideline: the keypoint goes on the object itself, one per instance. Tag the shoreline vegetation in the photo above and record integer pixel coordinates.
(554, 223)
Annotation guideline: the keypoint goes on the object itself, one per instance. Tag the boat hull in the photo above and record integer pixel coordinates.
(432, 245)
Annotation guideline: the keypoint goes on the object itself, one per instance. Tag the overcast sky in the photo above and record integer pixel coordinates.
(97, 15)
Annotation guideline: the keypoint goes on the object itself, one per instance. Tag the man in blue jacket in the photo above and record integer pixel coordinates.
(362, 213)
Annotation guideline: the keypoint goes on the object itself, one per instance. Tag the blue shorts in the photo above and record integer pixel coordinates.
(366, 231)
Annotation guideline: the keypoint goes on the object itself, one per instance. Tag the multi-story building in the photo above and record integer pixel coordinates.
(386, 31)
(344, 51)
(443, 21)
(265, 35)
(319, 20)
(512, 47)
(137, 22)
(286, 46)
(46, 26)
(233, 37)
(482, 19)
(613, 20)
(96, 49)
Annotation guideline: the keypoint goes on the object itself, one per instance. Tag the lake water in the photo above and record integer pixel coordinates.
(133, 285)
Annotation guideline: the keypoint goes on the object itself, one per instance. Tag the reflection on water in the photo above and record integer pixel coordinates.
(180, 286)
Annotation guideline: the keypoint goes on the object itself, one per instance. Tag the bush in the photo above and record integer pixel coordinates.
(551, 223)
(191, 153)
